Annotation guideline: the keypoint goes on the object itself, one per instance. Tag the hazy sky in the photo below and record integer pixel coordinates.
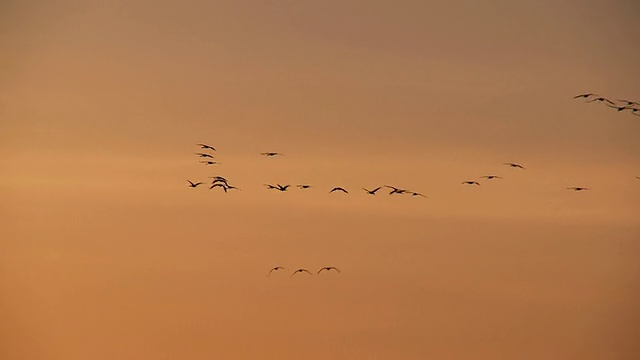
(106, 253)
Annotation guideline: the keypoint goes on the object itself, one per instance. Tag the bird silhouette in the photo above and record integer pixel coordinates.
(223, 186)
(270, 154)
(205, 146)
(514, 165)
(301, 270)
(275, 269)
(209, 162)
(328, 268)
(601, 99)
(395, 190)
(304, 186)
(203, 155)
(218, 178)
(277, 187)
(471, 182)
(491, 177)
(628, 102)
(417, 194)
(577, 188)
(620, 108)
(338, 188)
(191, 184)
(584, 95)
(371, 192)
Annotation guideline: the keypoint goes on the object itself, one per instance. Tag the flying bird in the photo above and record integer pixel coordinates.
(329, 268)
(205, 146)
(371, 192)
(203, 155)
(277, 187)
(514, 165)
(620, 108)
(301, 270)
(209, 162)
(191, 184)
(471, 182)
(217, 178)
(584, 95)
(338, 188)
(304, 186)
(491, 177)
(275, 269)
(601, 99)
(223, 186)
(395, 190)
(417, 194)
(628, 102)
(271, 153)
(577, 188)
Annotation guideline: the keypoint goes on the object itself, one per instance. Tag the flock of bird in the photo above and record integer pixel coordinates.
(220, 182)
(301, 270)
(619, 104)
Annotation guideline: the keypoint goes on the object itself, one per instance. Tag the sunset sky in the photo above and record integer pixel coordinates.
(106, 253)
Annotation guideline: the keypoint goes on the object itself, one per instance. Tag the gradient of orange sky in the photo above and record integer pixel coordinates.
(105, 253)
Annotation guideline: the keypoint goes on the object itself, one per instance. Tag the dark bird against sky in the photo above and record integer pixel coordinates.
(204, 155)
(514, 165)
(577, 188)
(205, 146)
(193, 185)
(275, 269)
(371, 192)
(328, 268)
(301, 270)
(338, 188)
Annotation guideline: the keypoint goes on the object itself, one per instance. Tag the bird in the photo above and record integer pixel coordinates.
(203, 155)
(220, 181)
(471, 182)
(371, 192)
(628, 102)
(223, 186)
(601, 99)
(304, 186)
(275, 269)
(301, 270)
(395, 190)
(577, 188)
(209, 162)
(205, 146)
(620, 108)
(270, 154)
(328, 268)
(584, 95)
(514, 165)
(218, 178)
(417, 194)
(338, 188)
(191, 184)
(277, 187)
(491, 177)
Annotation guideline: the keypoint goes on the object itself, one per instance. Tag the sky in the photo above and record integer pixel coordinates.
(106, 252)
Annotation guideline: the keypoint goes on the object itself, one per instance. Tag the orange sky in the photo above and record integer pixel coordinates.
(105, 253)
